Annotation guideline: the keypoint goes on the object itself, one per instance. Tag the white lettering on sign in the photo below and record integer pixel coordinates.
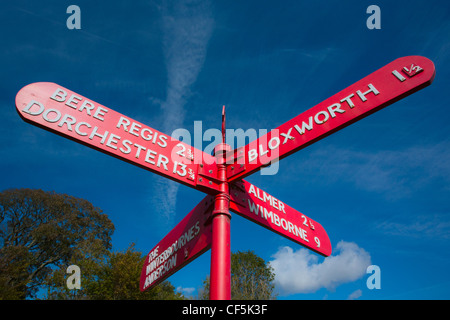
(111, 140)
(158, 264)
(328, 114)
(412, 70)
(398, 75)
(145, 133)
(279, 222)
(297, 229)
(60, 95)
(274, 202)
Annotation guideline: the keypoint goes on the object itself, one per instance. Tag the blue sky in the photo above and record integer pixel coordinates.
(379, 187)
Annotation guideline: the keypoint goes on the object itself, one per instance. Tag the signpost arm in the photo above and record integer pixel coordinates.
(220, 280)
(379, 89)
(52, 107)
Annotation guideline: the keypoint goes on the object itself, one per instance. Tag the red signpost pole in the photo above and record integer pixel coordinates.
(220, 281)
(52, 107)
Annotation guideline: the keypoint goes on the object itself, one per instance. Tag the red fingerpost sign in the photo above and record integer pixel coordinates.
(64, 112)
(383, 87)
(190, 238)
(264, 209)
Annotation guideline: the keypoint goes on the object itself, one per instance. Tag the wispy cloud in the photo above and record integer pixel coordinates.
(300, 272)
(387, 172)
(187, 27)
(355, 295)
(186, 291)
(435, 226)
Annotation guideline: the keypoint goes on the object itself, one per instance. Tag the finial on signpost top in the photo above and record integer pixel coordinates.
(220, 277)
(223, 124)
(222, 148)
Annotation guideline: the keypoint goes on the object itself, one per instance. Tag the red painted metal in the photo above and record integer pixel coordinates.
(383, 87)
(66, 113)
(190, 238)
(220, 277)
(258, 206)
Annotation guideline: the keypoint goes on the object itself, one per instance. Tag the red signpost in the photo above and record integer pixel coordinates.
(66, 113)
(187, 241)
(264, 209)
(59, 110)
(220, 278)
(370, 94)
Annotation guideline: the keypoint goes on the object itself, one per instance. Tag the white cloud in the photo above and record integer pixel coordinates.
(186, 291)
(355, 295)
(164, 197)
(187, 27)
(435, 226)
(395, 173)
(300, 272)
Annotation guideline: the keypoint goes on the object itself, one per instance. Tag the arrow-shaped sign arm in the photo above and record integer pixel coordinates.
(383, 87)
(66, 113)
(190, 238)
(258, 206)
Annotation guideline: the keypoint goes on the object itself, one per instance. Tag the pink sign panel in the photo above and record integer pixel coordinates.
(383, 87)
(188, 240)
(258, 206)
(64, 112)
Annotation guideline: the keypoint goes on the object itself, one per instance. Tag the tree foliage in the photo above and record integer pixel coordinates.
(251, 278)
(116, 277)
(41, 231)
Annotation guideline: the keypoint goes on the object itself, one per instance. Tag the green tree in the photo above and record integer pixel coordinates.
(203, 292)
(116, 277)
(41, 231)
(251, 278)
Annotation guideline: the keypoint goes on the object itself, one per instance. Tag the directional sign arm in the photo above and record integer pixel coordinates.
(383, 87)
(264, 209)
(190, 238)
(66, 113)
